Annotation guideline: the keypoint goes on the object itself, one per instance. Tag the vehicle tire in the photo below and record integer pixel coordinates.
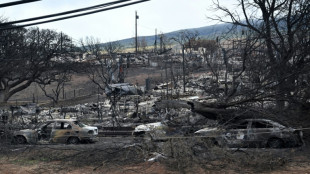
(148, 137)
(73, 140)
(43, 137)
(20, 139)
(275, 143)
(209, 142)
(216, 143)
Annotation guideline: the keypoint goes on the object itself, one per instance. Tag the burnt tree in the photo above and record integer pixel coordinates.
(280, 39)
(185, 39)
(52, 82)
(102, 69)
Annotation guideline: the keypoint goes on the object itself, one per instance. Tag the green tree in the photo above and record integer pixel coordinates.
(25, 55)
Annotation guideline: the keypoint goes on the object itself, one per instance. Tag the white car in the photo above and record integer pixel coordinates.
(154, 131)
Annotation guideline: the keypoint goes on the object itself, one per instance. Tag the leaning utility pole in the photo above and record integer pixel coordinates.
(136, 19)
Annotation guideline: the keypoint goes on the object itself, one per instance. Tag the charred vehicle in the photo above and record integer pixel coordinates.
(253, 133)
(150, 129)
(58, 131)
(162, 131)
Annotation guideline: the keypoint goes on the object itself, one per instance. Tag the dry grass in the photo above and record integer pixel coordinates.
(82, 86)
(181, 156)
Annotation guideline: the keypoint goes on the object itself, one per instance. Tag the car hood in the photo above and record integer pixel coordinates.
(209, 132)
(93, 128)
(206, 130)
(26, 130)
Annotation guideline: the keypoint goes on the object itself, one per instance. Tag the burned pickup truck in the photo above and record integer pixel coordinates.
(68, 131)
(253, 133)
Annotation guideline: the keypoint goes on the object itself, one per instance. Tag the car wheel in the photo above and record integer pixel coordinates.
(209, 142)
(275, 143)
(217, 143)
(73, 140)
(42, 137)
(20, 139)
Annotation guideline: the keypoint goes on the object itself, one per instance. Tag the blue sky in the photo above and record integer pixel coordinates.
(163, 15)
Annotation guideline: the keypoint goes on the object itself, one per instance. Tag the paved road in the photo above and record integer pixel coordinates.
(103, 143)
(121, 142)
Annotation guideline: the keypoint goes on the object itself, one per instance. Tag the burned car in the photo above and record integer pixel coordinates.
(162, 131)
(253, 133)
(58, 131)
(150, 128)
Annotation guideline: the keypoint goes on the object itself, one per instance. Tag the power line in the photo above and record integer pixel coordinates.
(17, 3)
(73, 16)
(63, 13)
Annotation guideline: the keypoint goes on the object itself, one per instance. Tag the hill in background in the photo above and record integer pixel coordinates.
(207, 32)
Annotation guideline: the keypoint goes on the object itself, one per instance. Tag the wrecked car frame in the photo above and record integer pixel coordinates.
(68, 131)
(253, 133)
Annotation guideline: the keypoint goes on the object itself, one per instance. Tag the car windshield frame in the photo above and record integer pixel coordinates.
(234, 125)
(276, 124)
(80, 124)
(42, 124)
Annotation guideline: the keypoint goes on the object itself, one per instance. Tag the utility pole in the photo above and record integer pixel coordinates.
(161, 43)
(183, 64)
(155, 48)
(136, 19)
(61, 40)
(38, 37)
(167, 80)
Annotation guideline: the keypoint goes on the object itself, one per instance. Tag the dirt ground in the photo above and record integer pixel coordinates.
(50, 168)
(117, 155)
(9, 167)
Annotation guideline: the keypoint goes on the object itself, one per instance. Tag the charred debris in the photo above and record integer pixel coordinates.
(211, 97)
